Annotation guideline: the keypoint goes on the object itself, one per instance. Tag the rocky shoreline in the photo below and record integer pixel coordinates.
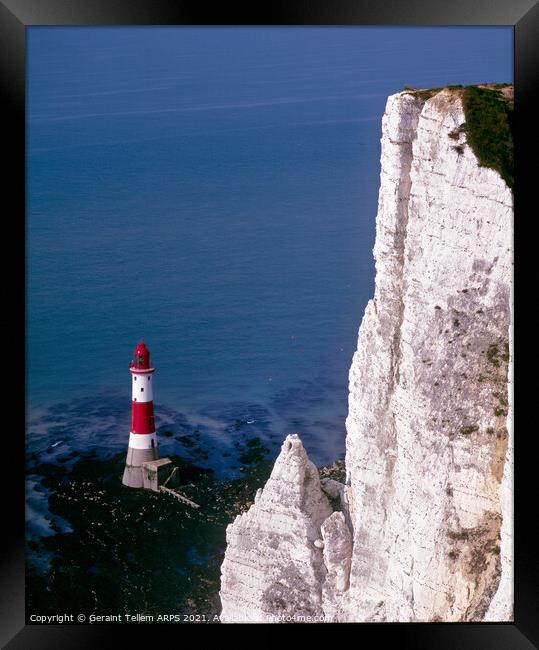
(118, 550)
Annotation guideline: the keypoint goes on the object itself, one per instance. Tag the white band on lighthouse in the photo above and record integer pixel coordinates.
(142, 440)
(142, 387)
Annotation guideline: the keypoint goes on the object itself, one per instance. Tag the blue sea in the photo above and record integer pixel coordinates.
(212, 191)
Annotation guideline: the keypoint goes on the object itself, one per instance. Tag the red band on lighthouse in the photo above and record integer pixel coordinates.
(142, 419)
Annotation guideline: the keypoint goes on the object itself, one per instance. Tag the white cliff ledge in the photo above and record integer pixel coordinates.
(425, 532)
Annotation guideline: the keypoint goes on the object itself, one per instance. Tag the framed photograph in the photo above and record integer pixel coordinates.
(269, 327)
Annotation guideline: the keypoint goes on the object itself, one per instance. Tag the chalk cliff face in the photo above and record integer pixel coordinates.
(273, 563)
(425, 531)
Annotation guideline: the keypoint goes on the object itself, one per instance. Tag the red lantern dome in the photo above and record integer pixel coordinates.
(141, 358)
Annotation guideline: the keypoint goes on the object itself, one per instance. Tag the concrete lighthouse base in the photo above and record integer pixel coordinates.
(133, 476)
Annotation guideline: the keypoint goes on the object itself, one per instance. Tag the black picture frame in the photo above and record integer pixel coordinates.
(15, 17)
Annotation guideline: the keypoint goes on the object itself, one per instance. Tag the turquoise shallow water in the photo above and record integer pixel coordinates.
(214, 192)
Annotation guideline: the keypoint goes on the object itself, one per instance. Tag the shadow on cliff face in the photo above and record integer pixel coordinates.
(289, 595)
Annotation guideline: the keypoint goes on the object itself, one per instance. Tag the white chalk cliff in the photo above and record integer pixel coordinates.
(273, 564)
(425, 528)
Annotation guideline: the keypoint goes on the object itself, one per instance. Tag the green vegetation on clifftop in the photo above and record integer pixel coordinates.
(488, 127)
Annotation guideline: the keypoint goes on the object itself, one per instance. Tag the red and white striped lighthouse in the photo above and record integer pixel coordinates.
(142, 438)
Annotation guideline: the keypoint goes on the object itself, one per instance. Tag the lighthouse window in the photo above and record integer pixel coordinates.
(149, 377)
(142, 389)
(135, 378)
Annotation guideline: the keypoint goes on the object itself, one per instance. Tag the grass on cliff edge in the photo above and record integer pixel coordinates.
(489, 129)
(488, 126)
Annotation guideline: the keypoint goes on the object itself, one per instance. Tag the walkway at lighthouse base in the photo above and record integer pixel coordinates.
(162, 476)
(158, 472)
